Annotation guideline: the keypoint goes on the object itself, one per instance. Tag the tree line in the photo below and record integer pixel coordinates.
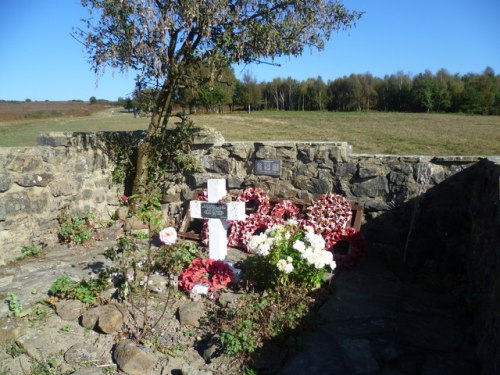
(474, 93)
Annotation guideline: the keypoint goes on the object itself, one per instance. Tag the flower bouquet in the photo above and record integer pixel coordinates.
(288, 253)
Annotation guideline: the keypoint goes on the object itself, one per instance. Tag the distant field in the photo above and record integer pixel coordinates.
(373, 132)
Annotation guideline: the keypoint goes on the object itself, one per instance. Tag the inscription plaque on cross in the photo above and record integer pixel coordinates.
(217, 215)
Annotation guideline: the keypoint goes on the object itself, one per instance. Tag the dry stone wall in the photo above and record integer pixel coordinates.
(36, 183)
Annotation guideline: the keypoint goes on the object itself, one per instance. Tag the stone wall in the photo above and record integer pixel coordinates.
(36, 183)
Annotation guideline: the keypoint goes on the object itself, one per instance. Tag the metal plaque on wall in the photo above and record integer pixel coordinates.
(268, 167)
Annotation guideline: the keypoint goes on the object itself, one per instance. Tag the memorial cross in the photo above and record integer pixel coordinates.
(217, 215)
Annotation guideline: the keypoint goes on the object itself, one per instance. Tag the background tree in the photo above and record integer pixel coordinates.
(166, 41)
(248, 93)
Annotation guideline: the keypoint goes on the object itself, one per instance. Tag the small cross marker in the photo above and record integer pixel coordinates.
(217, 215)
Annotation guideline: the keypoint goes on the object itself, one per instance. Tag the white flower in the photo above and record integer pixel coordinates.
(289, 259)
(263, 249)
(316, 241)
(299, 246)
(281, 265)
(260, 244)
(332, 265)
(168, 236)
(284, 266)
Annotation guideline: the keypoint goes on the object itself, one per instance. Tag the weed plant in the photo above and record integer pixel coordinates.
(31, 251)
(86, 291)
(14, 305)
(77, 228)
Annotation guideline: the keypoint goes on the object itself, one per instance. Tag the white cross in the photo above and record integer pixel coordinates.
(217, 227)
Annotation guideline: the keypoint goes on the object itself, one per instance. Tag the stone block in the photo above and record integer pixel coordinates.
(25, 163)
(398, 178)
(286, 152)
(321, 186)
(338, 154)
(5, 182)
(208, 136)
(305, 153)
(240, 151)
(307, 170)
(191, 313)
(372, 188)
(64, 187)
(54, 139)
(265, 152)
(39, 179)
(369, 172)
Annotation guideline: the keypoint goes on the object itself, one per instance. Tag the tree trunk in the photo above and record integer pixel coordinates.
(159, 119)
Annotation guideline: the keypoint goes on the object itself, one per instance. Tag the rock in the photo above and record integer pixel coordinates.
(157, 284)
(372, 188)
(90, 317)
(80, 353)
(70, 309)
(132, 360)
(110, 319)
(11, 328)
(191, 313)
(41, 180)
(106, 318)
(134, 223)
(211, 349)
(121, 213)
(88, 371)
(208, 136)
(229, 299)
(5, 182)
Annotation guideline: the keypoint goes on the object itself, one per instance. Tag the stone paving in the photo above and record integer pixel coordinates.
(373, 324)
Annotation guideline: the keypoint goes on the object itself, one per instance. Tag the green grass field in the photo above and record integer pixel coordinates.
(368, 132)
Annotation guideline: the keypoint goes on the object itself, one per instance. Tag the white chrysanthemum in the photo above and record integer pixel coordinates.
(316, 241)
(308, 255)
(332, 265)
(299, 246)
(263, 249)
(281, 265)
(260, 244)
(288, 268)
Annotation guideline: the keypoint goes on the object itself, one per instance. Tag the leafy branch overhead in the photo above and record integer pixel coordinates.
(159, 38)
(174, 45)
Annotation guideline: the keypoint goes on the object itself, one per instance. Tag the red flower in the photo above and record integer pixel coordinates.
(215, 273)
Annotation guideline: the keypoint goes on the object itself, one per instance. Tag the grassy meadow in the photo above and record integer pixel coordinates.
(368, 132)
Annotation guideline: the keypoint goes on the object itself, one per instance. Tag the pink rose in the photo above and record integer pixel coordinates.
(168, 236)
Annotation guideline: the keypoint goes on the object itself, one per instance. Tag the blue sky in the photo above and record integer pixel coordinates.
(41, 61)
